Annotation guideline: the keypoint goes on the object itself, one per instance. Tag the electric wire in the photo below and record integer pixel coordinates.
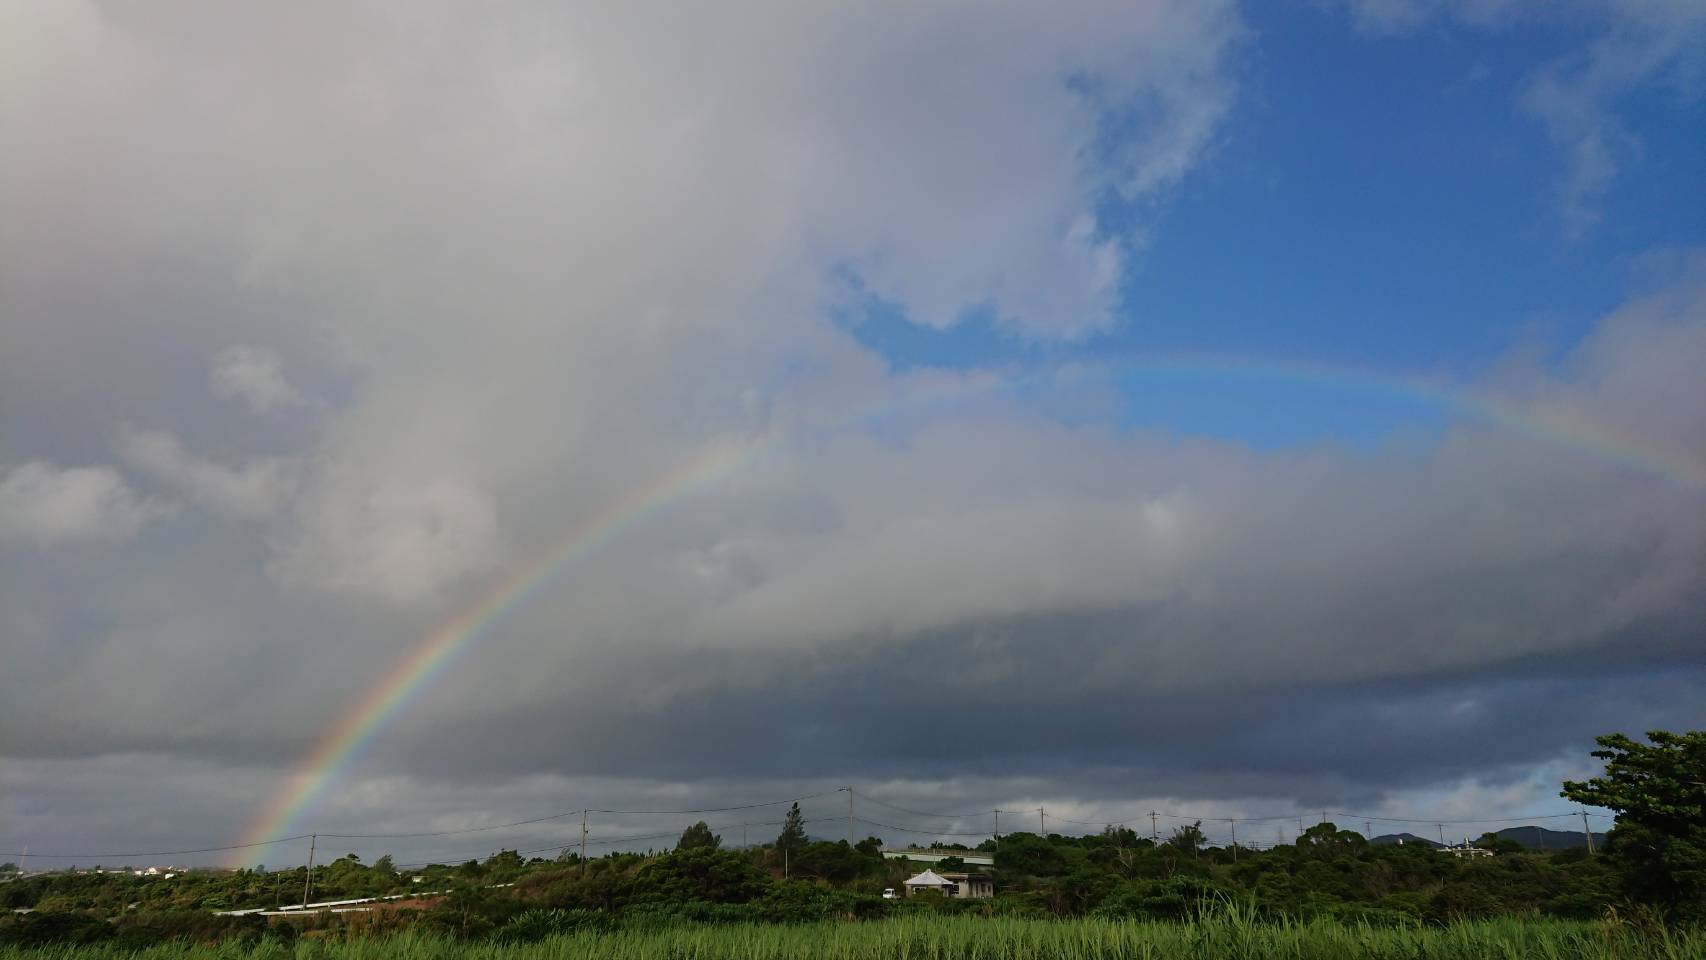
(923, 813)
(449, 833)
(923, 830)
(156, 853)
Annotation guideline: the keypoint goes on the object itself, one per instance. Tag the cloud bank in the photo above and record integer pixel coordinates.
(529, 262)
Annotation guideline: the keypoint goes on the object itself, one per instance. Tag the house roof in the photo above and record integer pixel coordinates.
(929, 878)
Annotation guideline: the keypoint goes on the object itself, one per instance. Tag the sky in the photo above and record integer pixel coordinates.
(418, 417)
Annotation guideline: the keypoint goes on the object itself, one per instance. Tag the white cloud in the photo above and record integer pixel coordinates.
(1576, 97)
(255, 491)
(401, 539)
(256, 376)
(552, 206)
(46, 505)
(1400, 16)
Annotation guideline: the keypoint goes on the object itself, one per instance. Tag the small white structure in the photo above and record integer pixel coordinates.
(957, 886)
(971, 886)
(1467, 851)
(927, 881)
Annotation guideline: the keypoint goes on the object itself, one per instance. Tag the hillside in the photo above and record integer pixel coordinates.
(1531, 838)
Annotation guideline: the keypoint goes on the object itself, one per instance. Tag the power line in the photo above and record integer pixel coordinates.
(938, 833)
(1095, 823)
(1444, 821)
(445, 859)
(452, 833)
(744, 806)
(1331, 813)
(923, 813)
(160, 853)
(562, 816)
(1532, 816)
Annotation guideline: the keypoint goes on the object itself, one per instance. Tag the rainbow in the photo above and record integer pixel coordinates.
(344, 739)
(352, 731)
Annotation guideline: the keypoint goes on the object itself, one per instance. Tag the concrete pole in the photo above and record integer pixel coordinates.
(308, 881)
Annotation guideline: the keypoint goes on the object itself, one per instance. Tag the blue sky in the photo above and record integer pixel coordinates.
(1377, 202)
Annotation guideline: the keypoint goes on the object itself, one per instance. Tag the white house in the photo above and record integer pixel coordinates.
(971, 886)
(958, 886)
(1467, 851)
(927, 881)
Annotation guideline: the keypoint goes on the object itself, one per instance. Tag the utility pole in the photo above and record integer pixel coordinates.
(1042, 821)
(1586, 832)
(24, 861)
(849, 817)
(1368, 829)
(997, 829)
(1154, 831)
(308, 881)
(1234, 824)
(743, 843)
(278, 891)
(1441, 827)
(583, 844)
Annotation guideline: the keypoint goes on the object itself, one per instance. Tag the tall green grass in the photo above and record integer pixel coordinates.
(1230, 935)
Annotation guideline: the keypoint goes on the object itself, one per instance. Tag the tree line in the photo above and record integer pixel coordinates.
(1653, 866)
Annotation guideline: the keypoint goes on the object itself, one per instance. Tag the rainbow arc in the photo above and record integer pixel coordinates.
(344, 739)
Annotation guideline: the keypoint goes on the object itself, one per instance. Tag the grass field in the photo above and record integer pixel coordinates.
(966, 938)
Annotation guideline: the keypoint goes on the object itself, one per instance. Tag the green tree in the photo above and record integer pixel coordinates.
(1188, 839)
(698, 837)
(1498, 844)
(793, 836)
(1327, 841)
(1029, 854)
(1659, 792)
(1118, 836)
(700, 873)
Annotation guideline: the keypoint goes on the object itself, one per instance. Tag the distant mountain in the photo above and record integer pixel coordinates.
(1393, 839)
(1532, 838)
(1540, 838)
